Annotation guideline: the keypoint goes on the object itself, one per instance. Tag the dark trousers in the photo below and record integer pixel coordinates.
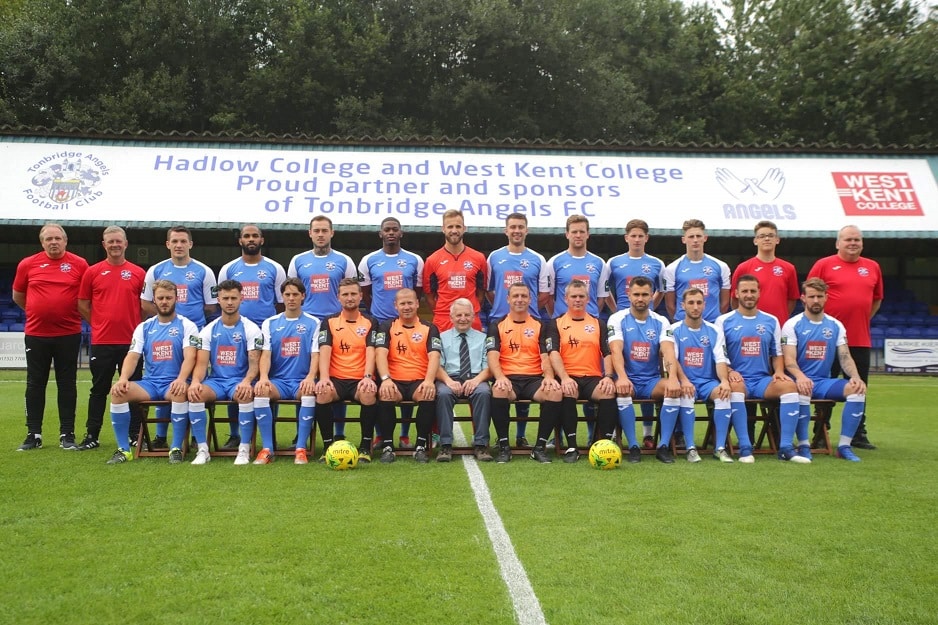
(43, 352)
(861, 356)
(104, 361)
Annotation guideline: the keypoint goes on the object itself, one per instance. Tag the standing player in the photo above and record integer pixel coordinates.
(810, 342)
(577, 263)
(347, 361)
(46, 287)
(231, 345)
(407, 356)
(754, 349)
(385, 272)
(854, 295)
(509, 265)
(167, 345)
(778, 280)
(109, 299)
(579, 354)
(699, 270)
(640, 343)
(518, 354)
(287, 369)
(704, 373)
(453, 271)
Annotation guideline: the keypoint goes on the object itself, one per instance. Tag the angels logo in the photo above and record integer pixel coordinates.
(65, 267)
(590, 268)
(261, 274)
(190, 276)
(650, 334)
(760, 328)
(525, 263)
(301, 328)
(468, 266)
(827, 333)
(63, 177)
(361, 331)
(529, 333)
(777, 271)
(589, 328)
(236, 337)
(173, 332)
(401, 262)
(330, 266)
(768, 187)
(863, 271)
(707, 270)
(126, 275)
(416, 337)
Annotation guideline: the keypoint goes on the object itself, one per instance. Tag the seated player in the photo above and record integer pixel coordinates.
(810, 342)
(232, 345)
(287, 369)
(519, 362)
(168, 344)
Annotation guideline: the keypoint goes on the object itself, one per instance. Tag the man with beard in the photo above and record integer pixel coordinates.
(453, 271)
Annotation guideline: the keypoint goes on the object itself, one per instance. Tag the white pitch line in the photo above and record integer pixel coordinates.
(524, 601)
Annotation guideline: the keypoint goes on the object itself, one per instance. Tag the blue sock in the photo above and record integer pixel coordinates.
(120, 421)
(721, 421)
(804, 419)
(788, 413)
(180, 417)
(338, 416)
(740, 421)
(265, 422)
(670, 410)
(627, 419)
(246, 422)
(305, 420)
(853, 413)
(162, 429)
(688, 420)
(197, 419)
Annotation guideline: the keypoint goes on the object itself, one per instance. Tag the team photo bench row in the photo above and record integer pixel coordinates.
(763, 419)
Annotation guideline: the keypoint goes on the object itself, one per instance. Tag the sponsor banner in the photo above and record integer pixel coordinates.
(185, 184)
(12, 350)
(911, 356)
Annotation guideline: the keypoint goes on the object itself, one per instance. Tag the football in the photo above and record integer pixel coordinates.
(605, 454)
(341, 455)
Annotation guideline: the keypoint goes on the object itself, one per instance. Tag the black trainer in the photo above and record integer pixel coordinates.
(387, 455)
(503, 454)
(635, 454)
(89, 442)
(232, 443)
(540, 454)
(664, 455)
(571, 455)
(421, 456)
(862, 442)
(33, 441)
(159, 442)
(67, 441)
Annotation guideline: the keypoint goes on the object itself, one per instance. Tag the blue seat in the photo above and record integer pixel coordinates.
(9, 316)
(4, 327)
(881, 320)
(894, 332)
(877, 337)
(17, 327)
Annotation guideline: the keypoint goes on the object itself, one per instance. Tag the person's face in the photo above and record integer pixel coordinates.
(320, 233)
(462, 317)
(577, 235)
(115, 245)
(519, 299)
(814, 300)
(350, 297)
(165, 301)
(576, 300)
(694, 239)
(639, 298)
(850, 244)
(517, 231)
(179, 245)
(694, 307)
(453, 229)
(230, 301)
(636, 239)
(406, 305)
(390, 234)
(251, 240)
(53, 242)
(292, 299)
(766, 239)
(747, 292)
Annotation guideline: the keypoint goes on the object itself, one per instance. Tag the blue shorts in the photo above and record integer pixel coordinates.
(644, 388)
(704, 388)
(755, 387)
(224, 387)
(156, 389)
(830, 388)
(288, 389)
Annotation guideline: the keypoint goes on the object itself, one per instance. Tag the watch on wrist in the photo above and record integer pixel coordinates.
(385, 377)
(369, 376)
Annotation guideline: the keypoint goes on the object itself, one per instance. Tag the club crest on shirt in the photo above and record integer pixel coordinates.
(416, 337)
(646, 268)
(705, 340)
(190, 276)
(401, 262)
(529, 333)
(651, 334)
(590, 268)
(525, 263)
(261, 274)
(173, 331)
(761, 329)
(236, 337)
(468, 266)
(301, 328)
(863, 271)
(125, 274)
(777, 271)
(707, 270)
(65, 267)
(589, 328)
(361, 331)
(330, 266)
(827, 333)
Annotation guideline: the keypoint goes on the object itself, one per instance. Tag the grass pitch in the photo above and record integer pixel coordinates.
(831, 542)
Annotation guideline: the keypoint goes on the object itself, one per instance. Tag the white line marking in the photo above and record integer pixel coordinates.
(524, 601)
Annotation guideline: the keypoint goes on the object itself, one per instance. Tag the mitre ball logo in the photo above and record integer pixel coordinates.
(65, 179)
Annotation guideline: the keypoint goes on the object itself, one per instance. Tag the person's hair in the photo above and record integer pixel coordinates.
(520, 216)
(166, 285)
(814, 283)
(462, 301)
(693, 223)
(577, 219)
(229, 285)
(454, 213)
(576, 283)
(841, 231)
(350, 282)
(241, 231)
(51, 224)
(747, 277)
(293, 282)
(519, 285)
(692, 291)
(405, 291)
(320, 218)
(642, 281)
(114, 230)
(387, 219)
(169, 233)
(641, 224)
(765, 223)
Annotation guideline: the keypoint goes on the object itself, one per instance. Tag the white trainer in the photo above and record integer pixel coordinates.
(244, 454)
(750, 459)
(692, 455)
(723, 456)
(202, 457)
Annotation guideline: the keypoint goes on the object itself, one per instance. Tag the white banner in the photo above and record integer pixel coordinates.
(911, 356)
(184, 184)
(12, 350)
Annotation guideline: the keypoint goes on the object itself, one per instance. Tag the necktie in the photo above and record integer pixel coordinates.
(465, 364)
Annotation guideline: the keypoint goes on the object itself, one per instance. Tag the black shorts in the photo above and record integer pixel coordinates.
(587, 385)
(525, 386)
(345, 389)
(408, 389)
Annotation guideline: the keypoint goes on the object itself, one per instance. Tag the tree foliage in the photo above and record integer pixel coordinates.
(842, 71)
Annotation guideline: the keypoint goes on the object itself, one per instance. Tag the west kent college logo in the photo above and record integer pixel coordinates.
(65, 179)
(888, 194)
(755, 194)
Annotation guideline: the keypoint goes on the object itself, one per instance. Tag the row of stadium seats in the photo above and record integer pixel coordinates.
(880, 334)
